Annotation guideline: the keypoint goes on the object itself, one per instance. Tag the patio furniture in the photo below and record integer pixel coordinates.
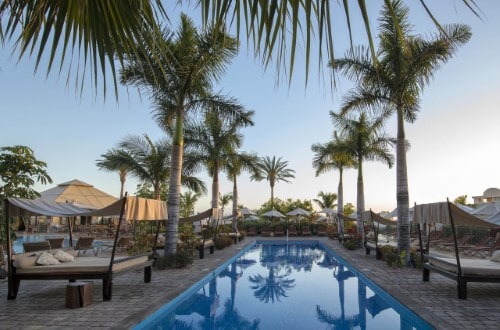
(84, 244)
(292, 231)
(36, 246)
(266, 231)
(306, 231)
(321, 230)
(56, 242)
(252, 231)
(122, 243)
(279, 231)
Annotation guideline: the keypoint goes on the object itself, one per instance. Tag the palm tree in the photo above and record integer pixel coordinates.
(334, 155)
(277, 27)
(110, 162)
(273, 170)
(326, 200)
(150, 163)
(104, 30)
(188, 63)
(213, 140)
(365, 140)
(99, 32)
(188, 201)
(405, 64)
(236, 163)
(224, 199)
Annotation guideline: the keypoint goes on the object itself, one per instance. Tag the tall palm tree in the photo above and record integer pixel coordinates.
(190, 63)
(188, 201)
(110, 162)
(213, 140)
(365, 140)
(330, 156)
(90, 33)
(326, 200)
(393, 84)
(273, 170)
(236, 163)
(150, 162)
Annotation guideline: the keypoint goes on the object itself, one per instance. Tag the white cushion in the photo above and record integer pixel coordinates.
(47, 259)
(63, 256)
(496, 256)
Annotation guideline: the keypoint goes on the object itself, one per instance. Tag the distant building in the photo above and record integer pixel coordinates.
(490, 195)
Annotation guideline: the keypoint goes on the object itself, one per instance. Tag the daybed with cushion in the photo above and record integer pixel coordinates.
(27, 266)
(472, 270)
(462, 270)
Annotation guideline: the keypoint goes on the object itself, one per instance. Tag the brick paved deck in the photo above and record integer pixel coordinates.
(41, 304)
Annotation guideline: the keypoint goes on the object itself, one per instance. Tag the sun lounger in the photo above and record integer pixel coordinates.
(86, 243)
(292, 231)
(472, 270)
(36, 246)
(24, 267)
(321, 230)
(266, 231)
(279, 231)
(252, 231)
(306, 231)
(56, 242)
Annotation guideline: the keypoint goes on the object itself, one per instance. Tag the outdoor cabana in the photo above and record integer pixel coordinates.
(25, 267)
(374, 220)
(462, 270)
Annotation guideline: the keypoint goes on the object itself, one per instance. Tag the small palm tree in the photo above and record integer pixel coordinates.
(326, 200)
(188, 202)
(110, 161)
(236, 163)
(273, 170)
(150, 163)
(334, 155)
(365, 140)
(404, 65)
(224, 199)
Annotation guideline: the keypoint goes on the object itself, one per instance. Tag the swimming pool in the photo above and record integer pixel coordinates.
(274, 285)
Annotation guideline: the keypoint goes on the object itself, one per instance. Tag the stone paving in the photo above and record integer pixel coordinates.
(41, 304)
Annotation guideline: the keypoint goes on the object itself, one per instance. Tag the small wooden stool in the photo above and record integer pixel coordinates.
(79, 294)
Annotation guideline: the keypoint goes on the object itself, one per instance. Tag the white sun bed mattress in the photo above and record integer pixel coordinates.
(470, 266)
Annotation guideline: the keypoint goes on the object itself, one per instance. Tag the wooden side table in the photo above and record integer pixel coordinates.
(79, 294)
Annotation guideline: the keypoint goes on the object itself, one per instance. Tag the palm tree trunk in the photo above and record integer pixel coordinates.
(215, 194)
(340, 202)
(235, 205)
(174, 187)
(360, 203)
(272, 196)
(123, 177)
(402, 196)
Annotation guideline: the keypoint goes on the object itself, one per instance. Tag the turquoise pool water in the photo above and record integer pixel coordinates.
(284, 286)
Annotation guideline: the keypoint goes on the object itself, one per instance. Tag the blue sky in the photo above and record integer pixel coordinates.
(453, 142)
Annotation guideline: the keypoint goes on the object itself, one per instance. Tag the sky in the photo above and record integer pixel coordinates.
(453, 141)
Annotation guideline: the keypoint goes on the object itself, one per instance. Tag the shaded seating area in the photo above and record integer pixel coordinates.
(29, 267)
(306, 231)
(252, 231)
(266, 231)
(292, 230)
(372, 242)
(461, 270)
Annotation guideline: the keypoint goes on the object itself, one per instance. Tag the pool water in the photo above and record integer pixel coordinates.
(18, 242)
(284, 286)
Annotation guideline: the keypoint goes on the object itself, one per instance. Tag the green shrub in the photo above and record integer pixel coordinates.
(181, 259)
(223, 241)
(141, 242)
(351, 244)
